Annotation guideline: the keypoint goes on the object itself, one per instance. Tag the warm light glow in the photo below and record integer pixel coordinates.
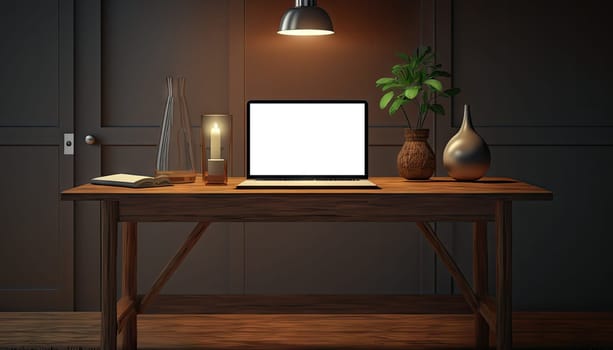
(305, 32)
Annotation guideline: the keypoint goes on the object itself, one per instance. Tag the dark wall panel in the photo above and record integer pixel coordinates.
(382, 160)
(562, 260)
(206, 270)
(134, 45)
(36, 108)
(534, 74)
(30, 202)
(338, 258)
(128, 159)
(143, 41)
(29, 69)
(560, 248)
(534, 63)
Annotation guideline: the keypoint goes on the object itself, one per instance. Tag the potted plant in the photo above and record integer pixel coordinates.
(415, 80)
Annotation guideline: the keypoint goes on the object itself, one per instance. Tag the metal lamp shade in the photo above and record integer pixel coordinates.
(306, 19)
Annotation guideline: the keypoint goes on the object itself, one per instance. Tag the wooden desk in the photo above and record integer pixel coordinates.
(441, 199)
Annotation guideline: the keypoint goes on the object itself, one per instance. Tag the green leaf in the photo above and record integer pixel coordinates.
(396, 105)
(435, 84)
(417, 51)
(383, 81)
(413, 62)
(397, 68)
(391, 86)
(428, 59)
(422, 51)
(439, 73)
(411, 92)
(385, 99)
(452, 92)
(423, 108)
(437, 109)
(399, 71)
(404, 56)
(422, 76)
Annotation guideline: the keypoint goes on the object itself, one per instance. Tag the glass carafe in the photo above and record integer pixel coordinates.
(175, 155)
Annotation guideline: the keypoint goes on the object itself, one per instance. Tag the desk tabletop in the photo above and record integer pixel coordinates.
(489, 187)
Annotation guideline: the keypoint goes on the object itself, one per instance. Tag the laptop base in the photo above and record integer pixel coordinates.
(306, 184)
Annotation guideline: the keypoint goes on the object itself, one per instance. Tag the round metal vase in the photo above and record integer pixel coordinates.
(466, 156)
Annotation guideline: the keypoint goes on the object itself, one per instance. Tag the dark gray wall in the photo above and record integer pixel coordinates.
(535, 74)
(36, 89)
(124, 51)
(537, 77)
(294, 258)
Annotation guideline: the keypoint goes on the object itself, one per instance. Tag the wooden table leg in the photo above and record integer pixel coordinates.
(108, 334)
(503, 275)
(482, 329)
(128, 335)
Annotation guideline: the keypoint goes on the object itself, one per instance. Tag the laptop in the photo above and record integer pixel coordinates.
(307, 144)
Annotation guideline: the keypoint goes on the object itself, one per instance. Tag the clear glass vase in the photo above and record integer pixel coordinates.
(175, 155)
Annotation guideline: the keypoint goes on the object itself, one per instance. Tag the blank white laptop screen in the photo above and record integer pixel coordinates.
(303, 139)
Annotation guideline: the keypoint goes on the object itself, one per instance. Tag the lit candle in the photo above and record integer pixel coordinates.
(215, 142)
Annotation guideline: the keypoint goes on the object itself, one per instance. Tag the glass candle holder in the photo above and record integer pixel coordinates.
(216, 143)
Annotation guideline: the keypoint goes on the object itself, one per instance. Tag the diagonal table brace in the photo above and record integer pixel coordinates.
(443, 254)
(130, 305)
(483, 306)
(173, 264)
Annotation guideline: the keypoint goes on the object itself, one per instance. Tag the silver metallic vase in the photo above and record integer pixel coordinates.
(466, 156)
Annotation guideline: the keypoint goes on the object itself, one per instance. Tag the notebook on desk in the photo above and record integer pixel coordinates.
(307, 144)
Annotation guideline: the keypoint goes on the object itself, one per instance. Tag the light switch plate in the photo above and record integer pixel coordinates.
(69, 144)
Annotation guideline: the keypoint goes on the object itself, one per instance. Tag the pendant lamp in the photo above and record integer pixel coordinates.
(306, 19)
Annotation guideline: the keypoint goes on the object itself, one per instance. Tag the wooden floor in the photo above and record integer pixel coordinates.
(306, 331)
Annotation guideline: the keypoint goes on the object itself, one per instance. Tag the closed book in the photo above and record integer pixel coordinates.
(130, 180)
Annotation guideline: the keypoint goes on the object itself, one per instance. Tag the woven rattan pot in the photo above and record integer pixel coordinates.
(416, 160)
